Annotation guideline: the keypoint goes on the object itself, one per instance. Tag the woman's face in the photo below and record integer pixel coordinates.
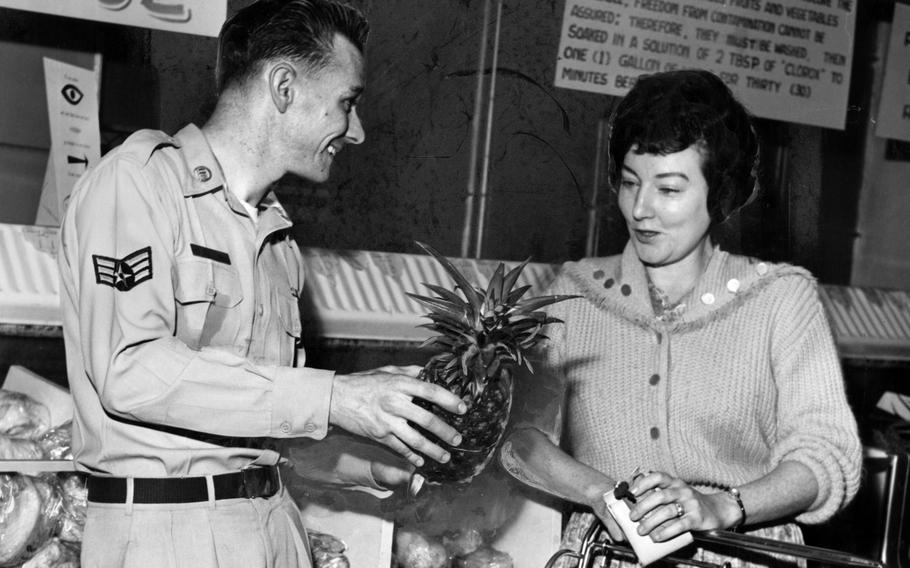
(664, 200)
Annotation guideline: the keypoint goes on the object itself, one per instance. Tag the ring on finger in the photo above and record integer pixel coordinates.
(679, 509)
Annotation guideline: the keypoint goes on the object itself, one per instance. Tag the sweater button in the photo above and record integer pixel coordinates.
(655, 378)
(626, 289)
(707, 298)
(761, 268)
(733, 285)
(608, 283)
(655, 433)
(598, 274)
(286, 427)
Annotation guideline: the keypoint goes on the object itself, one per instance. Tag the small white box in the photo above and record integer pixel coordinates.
(645, 549)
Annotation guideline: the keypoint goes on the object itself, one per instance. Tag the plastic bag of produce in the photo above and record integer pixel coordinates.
(328, 551)
(74, 499)
(415, 549)
(21, 416)
(484, 557)
(462, 542)
(56, 443)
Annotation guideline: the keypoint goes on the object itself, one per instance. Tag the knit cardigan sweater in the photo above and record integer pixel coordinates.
(748, 377)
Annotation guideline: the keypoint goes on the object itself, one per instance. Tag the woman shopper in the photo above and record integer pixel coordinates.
(706, 380)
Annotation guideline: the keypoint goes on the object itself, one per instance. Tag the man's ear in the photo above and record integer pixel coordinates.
(281, 83)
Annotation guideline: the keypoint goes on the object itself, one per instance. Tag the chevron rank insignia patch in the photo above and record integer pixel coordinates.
(125, 273)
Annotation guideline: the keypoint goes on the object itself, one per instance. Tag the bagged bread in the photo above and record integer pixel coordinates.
(19, 449)
(20, 515)
(54, 554)
(21, 416)
(30, 510)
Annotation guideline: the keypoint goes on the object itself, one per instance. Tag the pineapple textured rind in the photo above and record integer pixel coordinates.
(482, 335)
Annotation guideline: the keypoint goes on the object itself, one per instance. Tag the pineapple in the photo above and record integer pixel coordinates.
(482, 336)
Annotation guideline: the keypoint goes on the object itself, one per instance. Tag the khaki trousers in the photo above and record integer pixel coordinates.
(241, 533)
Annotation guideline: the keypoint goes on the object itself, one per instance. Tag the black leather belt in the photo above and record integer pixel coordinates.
(248, 483)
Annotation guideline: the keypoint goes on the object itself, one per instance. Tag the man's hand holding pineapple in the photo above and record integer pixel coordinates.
(379, 404)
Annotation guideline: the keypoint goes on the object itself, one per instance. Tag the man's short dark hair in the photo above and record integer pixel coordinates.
(301, 30)
(665, 113)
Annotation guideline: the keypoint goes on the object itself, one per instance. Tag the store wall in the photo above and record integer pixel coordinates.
(880, 251)
(409, 180)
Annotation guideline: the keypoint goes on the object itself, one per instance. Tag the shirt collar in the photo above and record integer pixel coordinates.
(205, 173)
(205, 177)
(272, 215)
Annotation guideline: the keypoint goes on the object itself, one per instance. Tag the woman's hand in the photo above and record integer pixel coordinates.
(666, 507)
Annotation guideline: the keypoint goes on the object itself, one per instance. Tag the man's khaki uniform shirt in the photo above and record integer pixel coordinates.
(180, 317)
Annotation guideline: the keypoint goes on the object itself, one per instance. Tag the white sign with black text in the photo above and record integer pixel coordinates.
(894, 105)
(199, 17)
(785, 59)
(72, 111)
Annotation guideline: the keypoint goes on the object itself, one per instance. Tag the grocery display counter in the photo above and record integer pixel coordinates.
(357, 315)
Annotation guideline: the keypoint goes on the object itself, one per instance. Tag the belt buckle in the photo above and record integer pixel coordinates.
(257, 482)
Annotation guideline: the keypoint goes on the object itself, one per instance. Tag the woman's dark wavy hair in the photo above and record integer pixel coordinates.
(667, 112)
(300, 30)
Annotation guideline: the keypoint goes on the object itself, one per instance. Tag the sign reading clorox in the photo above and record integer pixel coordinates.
(786, 59)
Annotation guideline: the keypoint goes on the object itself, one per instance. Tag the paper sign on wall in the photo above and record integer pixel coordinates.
(200, 17)
(894, 106)
(72, 110)
(785, 59)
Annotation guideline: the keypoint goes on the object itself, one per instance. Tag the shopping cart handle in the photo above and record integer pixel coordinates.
(758, 543)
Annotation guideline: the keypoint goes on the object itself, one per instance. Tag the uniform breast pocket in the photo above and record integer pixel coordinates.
(207, 295)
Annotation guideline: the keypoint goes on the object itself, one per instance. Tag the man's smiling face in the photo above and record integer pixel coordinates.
(323, 116)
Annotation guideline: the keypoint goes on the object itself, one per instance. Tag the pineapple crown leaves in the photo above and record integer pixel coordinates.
(480, 330)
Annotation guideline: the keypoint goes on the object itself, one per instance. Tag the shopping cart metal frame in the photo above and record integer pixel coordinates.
(592, 547)
(889, 478)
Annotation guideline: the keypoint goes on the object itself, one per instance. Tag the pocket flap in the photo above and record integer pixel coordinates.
(202, 280)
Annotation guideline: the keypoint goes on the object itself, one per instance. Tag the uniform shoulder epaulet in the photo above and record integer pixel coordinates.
(143, 143)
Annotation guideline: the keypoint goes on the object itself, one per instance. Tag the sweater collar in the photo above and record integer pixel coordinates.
(620, 284)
